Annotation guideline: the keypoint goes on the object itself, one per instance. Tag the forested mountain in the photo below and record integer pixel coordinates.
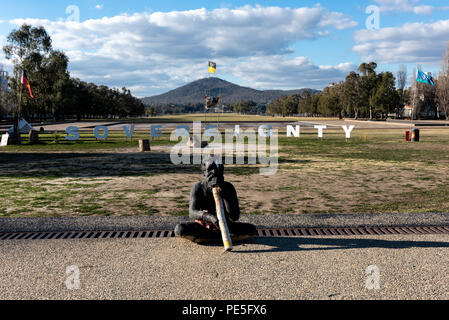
(230, 93)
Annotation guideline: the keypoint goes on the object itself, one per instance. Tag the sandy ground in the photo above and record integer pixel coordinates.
(410, 267)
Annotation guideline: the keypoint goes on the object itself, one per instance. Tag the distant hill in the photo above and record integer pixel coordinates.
(230, 93)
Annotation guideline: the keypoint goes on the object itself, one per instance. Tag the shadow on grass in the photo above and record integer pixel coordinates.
(325, 244)
(294, 161)
(99, 165)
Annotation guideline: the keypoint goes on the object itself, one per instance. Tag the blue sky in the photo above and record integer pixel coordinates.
(154, 46)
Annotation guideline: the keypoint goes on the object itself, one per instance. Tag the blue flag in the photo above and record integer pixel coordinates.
(425, 78)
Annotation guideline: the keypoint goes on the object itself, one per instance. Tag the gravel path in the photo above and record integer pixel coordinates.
(411, 267)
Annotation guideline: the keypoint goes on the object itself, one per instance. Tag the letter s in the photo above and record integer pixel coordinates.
(72, 133)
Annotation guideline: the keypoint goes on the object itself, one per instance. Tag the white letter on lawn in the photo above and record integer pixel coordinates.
(320, 130)
(295, 131)
(348, 131)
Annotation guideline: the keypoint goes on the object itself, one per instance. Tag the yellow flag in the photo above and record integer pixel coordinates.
(212, 67)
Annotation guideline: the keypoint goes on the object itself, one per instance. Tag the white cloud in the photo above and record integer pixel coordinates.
(145, 76)
(99, 7)
(161, 49)
(409, 43)
(281, 72)
(425, 10)
(4, 64)
(407, 6)
(198, 33)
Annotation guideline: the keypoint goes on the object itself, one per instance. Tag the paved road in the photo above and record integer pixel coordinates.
(411, 267)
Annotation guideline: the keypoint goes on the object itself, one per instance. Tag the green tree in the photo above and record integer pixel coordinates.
(26, 47)
(351, 95)
(402, 81)
(385, 98)
(331, 101)
(276, 107)
(244, 106)
(290, 105)
(442, 85)
(53, 86)
(368, 83)
(305, 104)
(314, 104)
(367, 69)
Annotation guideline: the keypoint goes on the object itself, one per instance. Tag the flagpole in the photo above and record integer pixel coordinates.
(205, 110)
(414, 105)
(414, 99)
(18, 112)
(20, 107)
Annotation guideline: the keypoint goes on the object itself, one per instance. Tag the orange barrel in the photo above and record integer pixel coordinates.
(415, 135)
(407, 135)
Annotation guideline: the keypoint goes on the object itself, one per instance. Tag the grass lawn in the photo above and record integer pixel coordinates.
(374, 171)
(87, 142)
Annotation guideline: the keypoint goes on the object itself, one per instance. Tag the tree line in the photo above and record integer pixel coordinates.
(248, 107)
(155, 109)
(56, 94)
(363, 94)
(242, 107)
(368, 94)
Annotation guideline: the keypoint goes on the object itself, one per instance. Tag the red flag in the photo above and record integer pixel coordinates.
(26, 83)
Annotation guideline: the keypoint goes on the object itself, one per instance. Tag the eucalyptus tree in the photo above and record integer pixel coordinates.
(401, 83)
(442, 84)
(351, 94)
(385, 98)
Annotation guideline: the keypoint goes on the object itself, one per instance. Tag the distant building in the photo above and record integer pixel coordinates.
(223, 109)
(5, 110)
(406, 112)
(429, 112)
(425, 112)
(3, 80)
